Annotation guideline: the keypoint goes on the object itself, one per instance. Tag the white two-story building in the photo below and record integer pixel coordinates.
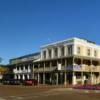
(23, 66)
(71, 61)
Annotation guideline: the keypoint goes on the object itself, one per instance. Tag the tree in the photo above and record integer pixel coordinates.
(3, 70)
(0, 59)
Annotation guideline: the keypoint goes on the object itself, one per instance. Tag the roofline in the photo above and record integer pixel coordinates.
(61, 41)
(32, 54)
(57, 42)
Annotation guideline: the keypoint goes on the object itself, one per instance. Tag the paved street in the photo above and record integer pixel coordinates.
(45, 93)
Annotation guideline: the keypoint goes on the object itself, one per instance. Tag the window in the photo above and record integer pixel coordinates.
(17, 67)
(95, 53)
(70, 50)
(47, 64)
(62, 51)
(21, 67)
(26, 67)
(55, 52)
(54, 63)
(44, 54)
(78, 50)
(63, 62)
(49, 51)
(41, 65)
(88, 52)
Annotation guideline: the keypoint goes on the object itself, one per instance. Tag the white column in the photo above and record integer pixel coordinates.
(47, 54)
(50, 73)
(59, 51)
(57, 78)
(50, 79)
(42, 54)
(95, 79)
(28, 76)
(92, 52)
(33, 71)
(53, 53)
(16, 68)
(24, 68)
(82, 78)
(99, 77)
(33, 77)
(38, 78)
(23, 77)
(74, 79)
(74, 48)
(66, 50)
(43, 78)
(20, 69)
(19, 77)
(91, 78)
(65, 78)
(29, 69)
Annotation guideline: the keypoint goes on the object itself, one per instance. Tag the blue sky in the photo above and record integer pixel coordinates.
(25, 25)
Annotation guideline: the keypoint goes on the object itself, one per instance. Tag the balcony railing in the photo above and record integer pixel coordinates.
(95, 68)
(79, 68)
(44, 69)
(84, 68)
(22, 71)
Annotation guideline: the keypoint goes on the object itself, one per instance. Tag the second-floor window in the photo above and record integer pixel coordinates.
(26, 67)
(88, 52)
(44, 54)
(95, 53)
(70, 50)
(22, 67)
(78, 50)
(62, 51)
(50, 54)
(47, 64)
(55, 52)
(17, 67)
(54, 63)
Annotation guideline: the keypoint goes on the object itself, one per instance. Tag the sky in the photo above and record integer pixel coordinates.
(25, 25)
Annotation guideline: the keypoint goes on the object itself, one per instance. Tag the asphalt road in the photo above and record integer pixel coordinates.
(45, 93)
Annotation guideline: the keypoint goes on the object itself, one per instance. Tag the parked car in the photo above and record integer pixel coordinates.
(30, 82)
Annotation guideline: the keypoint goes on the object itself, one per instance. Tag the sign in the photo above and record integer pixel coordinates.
(77, 67)
(59, 66)
(74, 67)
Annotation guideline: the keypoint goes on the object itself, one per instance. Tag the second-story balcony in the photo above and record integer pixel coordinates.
(78, 68)
(22, 71)
(46, 69)
(50, 68)
(95, 68)
(84, 68)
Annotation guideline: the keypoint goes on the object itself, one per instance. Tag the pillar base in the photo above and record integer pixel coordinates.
(65, 83)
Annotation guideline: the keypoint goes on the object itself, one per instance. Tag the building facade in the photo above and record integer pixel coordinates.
(23, 66)
(72, 61)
